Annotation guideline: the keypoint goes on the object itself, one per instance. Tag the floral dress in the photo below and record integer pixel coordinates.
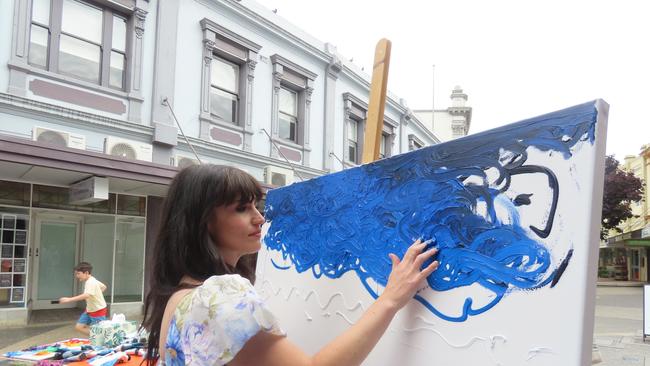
(214, 321)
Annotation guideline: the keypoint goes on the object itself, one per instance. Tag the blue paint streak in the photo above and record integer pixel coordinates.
(351, 220)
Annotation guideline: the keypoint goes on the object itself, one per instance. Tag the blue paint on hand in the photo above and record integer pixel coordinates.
(352, 220)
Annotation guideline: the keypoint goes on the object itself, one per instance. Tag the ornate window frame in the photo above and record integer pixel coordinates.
(415, 142)
(388, 133)
(354, 109)
(223, 43)
(291, 76)
(357, 110)
(22, 75)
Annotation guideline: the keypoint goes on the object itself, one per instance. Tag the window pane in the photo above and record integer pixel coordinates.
(41, 11)
(82, 20)
(352, 151)
(79, 58)
(352, 130)
(131, 205)
(98, 242)
(288, 102)
(119, 34)
(223, 105)
(15, 194)
(287, 127)
(129, 260)
(225, 75)
(382, 146)
(117, 70)
(38, 46)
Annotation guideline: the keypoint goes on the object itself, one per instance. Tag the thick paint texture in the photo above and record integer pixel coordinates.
(455, 194)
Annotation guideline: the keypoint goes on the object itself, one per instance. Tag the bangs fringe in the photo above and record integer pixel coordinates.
(241, 186)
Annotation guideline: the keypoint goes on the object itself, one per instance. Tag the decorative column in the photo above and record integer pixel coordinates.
(275, 103)
(332, 73)
(135, 80)
(248, 115)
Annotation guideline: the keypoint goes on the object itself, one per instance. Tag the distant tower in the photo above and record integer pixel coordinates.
(458, 98)
(460, 113)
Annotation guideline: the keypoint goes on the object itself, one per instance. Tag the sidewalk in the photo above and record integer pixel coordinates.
(621, 350)
(609, 282)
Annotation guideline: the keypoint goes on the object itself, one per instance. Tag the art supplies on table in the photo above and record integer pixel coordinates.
(51, 351)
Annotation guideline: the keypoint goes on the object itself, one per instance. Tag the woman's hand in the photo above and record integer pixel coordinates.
(406, 276)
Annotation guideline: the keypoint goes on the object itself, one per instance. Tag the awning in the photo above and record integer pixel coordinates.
(38, 162)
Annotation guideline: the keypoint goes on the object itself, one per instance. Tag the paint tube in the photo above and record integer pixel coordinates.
(137, 352)
(75, 358)
(110, 359)
(70, 353)
(127, 346)
(103, 352)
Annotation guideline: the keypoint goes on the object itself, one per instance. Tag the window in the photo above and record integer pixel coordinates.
(354, 111)
(291, 99)
(383, 142)
(82, 40)
(353, 141)
(227, 86)
(288, 114)
(224, 90)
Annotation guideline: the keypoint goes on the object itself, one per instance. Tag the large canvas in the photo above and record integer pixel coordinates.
(515, 214)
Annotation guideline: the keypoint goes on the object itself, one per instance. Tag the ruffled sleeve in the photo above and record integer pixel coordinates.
(219, 317)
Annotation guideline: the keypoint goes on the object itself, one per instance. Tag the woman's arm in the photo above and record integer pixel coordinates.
(354, 345)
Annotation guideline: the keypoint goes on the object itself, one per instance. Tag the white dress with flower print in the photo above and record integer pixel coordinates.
(212, 323)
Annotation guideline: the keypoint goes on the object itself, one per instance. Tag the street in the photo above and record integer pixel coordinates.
(618, 327)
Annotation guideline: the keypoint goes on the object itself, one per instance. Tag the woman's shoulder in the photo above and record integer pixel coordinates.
(223, 291)
(224, 287)
(218, 318)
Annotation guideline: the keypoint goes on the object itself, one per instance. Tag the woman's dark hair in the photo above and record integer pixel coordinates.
(184, 247)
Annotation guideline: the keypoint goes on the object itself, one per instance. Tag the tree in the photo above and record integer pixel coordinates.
(621, 189)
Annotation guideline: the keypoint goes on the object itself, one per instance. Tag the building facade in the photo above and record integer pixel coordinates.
(624, 256)
(451, 123)
(102, 101)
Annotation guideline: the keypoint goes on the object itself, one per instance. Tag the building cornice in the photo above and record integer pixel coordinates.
(269, 26)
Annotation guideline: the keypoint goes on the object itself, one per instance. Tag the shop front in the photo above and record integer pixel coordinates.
(624, 257)
(46, 229)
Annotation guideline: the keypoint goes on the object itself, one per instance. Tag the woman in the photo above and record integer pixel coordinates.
(202, 309)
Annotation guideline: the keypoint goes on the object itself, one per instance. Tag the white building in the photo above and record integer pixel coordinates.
(450, 123)
(89, 143)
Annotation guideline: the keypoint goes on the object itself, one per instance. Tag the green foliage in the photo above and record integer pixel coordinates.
(620, 190)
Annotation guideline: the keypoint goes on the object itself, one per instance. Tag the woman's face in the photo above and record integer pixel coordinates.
(237, 229)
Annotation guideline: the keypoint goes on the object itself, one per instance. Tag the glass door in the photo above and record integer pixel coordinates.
(55, 254)
(635, 264)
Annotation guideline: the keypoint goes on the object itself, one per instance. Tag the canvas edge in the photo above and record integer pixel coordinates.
(598, 178)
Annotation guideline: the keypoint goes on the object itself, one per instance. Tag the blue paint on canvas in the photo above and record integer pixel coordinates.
(351, 220)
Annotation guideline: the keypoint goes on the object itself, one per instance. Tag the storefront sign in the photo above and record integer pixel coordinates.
(91, 190)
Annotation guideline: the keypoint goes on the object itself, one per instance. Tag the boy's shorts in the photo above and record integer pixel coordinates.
(90, 320)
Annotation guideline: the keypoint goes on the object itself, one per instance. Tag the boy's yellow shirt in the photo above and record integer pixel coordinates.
(96, 300)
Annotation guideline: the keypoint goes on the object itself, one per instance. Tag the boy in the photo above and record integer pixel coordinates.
(95, 304)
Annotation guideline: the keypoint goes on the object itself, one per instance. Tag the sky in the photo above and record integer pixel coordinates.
(514, 59)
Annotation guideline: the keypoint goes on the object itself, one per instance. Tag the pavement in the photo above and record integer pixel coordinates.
(618, 336)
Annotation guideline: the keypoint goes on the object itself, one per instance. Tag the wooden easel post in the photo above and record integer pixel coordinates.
(377, 103)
